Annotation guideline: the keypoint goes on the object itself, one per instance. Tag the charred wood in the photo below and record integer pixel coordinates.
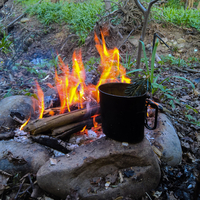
(7, 135)
(51, 142)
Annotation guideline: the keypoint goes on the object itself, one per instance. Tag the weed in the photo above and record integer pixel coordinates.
(5, 44)
(158, 86)
(175, 49)
(35, 70)
(155, 85)
(90, 64)
(179, 16)
(81, 17)
(173, 61)
(127, 62)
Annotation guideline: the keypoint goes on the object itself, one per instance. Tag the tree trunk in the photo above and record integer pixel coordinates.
(146, 15)
(198, 7)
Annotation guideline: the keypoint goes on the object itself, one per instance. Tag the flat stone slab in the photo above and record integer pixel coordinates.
(22, 158)
(165, 141)
(96, 161)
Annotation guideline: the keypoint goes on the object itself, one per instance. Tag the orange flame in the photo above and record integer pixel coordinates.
(94, 122)
(41, 99)
(71, 86)
(83, 128)
(111, 65)
(24, 124)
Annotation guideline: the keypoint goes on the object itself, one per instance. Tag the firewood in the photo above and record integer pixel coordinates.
(66, 131)
(51, 142)
(77, 125)
(46, 125)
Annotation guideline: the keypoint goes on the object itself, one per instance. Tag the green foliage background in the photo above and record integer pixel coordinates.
(81, 17)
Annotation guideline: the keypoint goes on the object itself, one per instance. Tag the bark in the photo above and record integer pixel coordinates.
(198, 7)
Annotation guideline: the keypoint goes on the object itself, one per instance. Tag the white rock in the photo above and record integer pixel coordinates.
(180, 46)
(134, 42)
(23, 20)
(180, 40)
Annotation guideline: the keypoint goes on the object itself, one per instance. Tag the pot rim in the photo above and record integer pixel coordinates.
(113, 95)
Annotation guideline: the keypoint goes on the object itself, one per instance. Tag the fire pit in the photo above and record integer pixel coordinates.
(123, 119)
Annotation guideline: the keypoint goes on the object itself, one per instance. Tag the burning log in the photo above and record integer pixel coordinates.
(65, 131)
(46, 125)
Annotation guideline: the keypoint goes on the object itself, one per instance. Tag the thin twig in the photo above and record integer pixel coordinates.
(72, 35)
(31, 182)
(185, 70)
(148, 195)
(20, 187)
(11, 23)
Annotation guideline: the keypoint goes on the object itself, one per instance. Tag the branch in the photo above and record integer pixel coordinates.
(151, 4)
(140, 6)
(146, 15)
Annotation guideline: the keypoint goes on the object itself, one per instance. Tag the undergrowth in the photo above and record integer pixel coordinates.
(181, 17)
(81, 17)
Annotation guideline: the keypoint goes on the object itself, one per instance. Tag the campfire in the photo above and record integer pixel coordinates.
(79, 103)
(76, 127)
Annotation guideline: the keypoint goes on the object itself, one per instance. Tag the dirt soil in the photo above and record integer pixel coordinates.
(34, 42)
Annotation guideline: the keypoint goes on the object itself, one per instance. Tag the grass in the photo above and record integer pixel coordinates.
(81, 17)
(178, 15)
(191, 61)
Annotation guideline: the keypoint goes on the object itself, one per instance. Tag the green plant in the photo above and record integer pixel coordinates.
(191, 118)
(174, 4)
(81, 17)
(127, 62)
(177, 15)
(5, 43)
(173, 61)
(158, 86)
(154, 80)
(35, 70)
(89, 65)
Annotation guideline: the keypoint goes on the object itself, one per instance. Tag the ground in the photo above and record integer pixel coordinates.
(33, 57)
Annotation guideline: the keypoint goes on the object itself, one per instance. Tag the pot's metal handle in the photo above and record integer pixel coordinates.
(153, 105)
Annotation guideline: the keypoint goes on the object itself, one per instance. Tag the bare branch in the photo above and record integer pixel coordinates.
(151, 4)
(146, 15)
(140, 6)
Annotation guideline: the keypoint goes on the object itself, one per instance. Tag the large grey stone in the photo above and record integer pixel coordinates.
(23, 104)
(165, 141)
(97, 160)
(22, 158)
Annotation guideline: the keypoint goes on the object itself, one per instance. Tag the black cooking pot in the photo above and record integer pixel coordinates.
(124, 117)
